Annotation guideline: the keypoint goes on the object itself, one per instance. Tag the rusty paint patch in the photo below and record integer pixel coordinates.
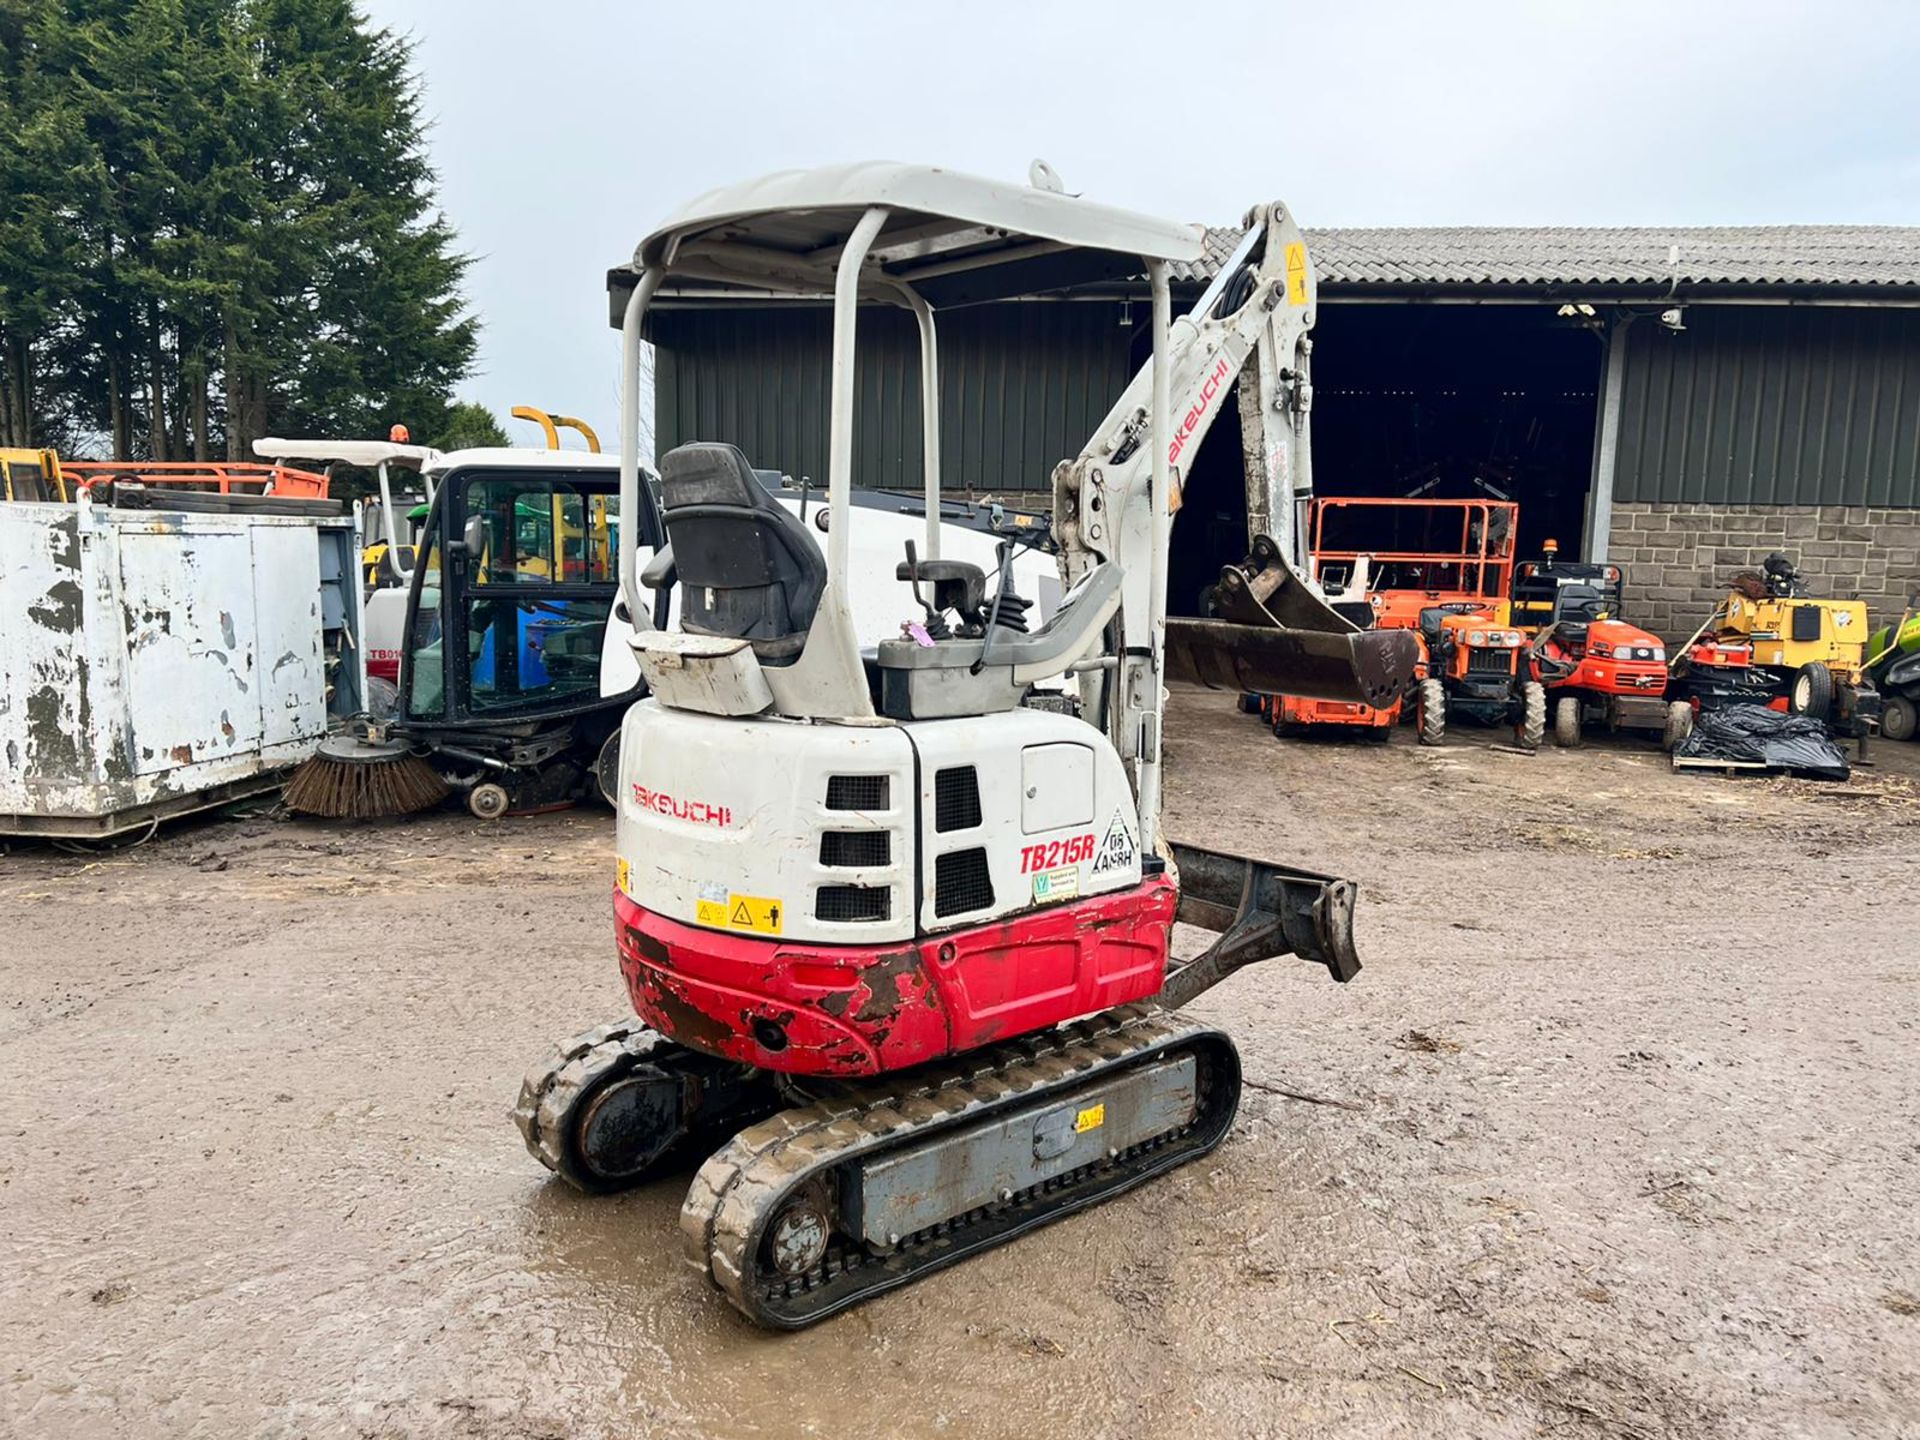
(836, 1004)
(59, 609)
(890, 982)
(182, 754)
(52, 748)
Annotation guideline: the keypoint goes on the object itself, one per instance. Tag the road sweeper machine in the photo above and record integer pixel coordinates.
(895, 922)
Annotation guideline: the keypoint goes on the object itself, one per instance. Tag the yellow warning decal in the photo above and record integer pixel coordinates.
(623, 876)
(741, 912)
(1296, 273)
(1091, 1118)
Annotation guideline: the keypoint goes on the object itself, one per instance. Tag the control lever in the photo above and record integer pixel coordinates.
(936, 622)
(1004, 552)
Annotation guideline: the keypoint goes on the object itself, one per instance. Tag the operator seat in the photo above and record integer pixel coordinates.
(746, 566)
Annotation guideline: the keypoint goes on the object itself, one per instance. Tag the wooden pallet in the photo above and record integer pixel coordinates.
(1727, 767)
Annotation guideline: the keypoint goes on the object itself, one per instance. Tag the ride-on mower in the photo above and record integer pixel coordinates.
(1769, 643)
(1893, 660)
(891, 922)
(1595, 666)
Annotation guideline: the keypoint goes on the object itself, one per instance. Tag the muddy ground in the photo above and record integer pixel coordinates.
(1614, 1136)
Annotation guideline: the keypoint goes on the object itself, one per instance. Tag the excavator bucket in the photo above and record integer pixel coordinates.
(1371, 667)
(1272, 633)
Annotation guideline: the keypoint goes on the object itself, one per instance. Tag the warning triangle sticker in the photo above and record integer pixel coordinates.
(741, 914)
(1117, 849)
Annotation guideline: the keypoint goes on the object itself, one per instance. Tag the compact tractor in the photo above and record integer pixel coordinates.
(894, 922)
(1386, 563)
(1597, 668)
(1769, 643)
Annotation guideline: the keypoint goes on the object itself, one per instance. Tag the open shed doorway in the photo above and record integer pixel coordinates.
(1418, 400)
(1457, 402)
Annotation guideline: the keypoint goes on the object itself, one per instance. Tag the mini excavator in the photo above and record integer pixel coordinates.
(896, 923)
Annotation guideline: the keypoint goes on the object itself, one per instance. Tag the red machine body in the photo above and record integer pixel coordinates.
(811, 1009)
(1615, 658)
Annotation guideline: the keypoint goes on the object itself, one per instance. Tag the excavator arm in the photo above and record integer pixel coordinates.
(1272, 630)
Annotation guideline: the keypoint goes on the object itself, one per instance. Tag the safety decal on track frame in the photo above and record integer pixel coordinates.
(724, 909)
(1091, 1118)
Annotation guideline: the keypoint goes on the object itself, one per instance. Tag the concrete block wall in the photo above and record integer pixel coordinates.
(1678, 558)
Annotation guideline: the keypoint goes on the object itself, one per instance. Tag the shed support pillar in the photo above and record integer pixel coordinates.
(1606, 447)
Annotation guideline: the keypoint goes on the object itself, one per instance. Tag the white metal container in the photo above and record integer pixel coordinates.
(154, 662)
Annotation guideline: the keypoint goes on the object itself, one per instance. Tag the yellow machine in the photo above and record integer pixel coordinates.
(1787, 632)
(1770, 642)
(32, 475)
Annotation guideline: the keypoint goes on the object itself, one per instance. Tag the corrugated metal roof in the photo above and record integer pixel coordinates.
(1569, 257)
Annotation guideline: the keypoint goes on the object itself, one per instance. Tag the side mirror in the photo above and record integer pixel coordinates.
(474, 534)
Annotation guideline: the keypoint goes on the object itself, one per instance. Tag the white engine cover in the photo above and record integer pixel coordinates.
(862, 834)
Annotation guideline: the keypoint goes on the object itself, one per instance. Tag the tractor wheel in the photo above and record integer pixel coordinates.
(1679, 723)
(1430, 712)
(1566, 720)
(1899, 718)
(1532, 728)
(1812, 693)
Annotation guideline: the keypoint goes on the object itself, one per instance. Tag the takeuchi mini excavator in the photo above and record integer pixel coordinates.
(896, 923)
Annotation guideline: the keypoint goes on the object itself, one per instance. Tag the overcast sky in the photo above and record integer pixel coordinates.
(563, 132)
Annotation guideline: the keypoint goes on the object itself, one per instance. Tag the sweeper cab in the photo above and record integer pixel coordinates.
(915, 897)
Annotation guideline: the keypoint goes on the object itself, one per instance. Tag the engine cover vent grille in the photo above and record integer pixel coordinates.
(857, 792)
(848, 904)
(961, 882)
(855, 849)
(956, 799)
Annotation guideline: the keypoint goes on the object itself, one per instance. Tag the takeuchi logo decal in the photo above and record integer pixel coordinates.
(694, 812)
(1190, 422)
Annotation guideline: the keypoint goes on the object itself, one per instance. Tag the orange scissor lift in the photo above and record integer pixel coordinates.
(1387, 589)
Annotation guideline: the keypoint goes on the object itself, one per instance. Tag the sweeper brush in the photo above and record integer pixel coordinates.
(349, 778)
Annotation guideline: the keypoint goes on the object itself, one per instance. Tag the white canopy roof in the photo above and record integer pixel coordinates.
(366, 453)
(785, 231)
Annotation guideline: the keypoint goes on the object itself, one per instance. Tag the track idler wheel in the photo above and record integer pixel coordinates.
(620, 1105)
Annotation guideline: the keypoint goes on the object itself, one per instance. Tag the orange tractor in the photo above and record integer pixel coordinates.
(1440, 568)
(1596, 667)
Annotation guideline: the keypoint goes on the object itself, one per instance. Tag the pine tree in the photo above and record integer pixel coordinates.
(219, 221)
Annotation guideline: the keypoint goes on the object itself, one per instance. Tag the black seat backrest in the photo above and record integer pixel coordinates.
(1432, 615)
(746, 566)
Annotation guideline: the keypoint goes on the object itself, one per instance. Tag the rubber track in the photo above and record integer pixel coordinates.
(735, 1192)
(554, 1086)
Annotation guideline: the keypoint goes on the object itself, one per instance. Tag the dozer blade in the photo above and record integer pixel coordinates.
(1273, 633)
(1372, 667)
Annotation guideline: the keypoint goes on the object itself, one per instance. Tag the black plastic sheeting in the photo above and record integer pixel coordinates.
(1753, 734)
